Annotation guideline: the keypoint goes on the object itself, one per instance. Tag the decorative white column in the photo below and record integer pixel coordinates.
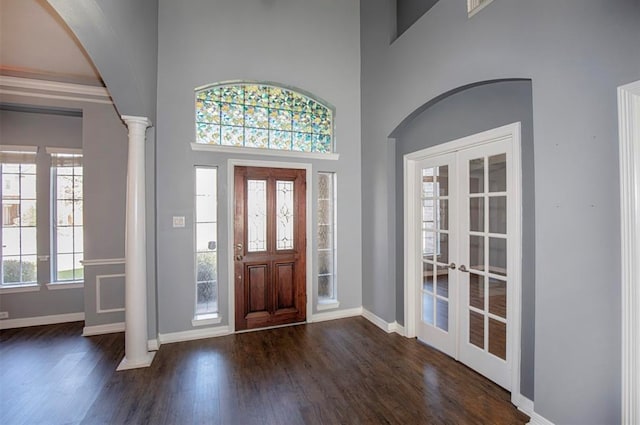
(136, 353)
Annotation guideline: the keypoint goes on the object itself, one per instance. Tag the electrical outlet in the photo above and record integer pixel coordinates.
(4, 314)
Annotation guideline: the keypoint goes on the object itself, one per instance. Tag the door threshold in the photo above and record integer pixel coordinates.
(270, 327)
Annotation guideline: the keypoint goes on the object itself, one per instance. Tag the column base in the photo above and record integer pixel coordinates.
(146, 361)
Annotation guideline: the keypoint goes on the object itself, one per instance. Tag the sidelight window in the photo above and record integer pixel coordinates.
(206, 229)
(327, 291)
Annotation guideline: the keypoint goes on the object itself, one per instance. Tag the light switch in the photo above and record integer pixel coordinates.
(178, 221)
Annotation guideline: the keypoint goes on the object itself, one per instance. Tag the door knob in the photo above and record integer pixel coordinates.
(238, 257)
(463, 268)
(239, 247)
(452, 266)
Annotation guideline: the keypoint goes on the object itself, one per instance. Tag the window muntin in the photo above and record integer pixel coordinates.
(67, 217)
(327, 237)
(206, 243)
(262, 116)
(19, 239)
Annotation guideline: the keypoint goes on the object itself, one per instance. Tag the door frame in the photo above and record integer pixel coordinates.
(412, 240)
(231, 164)
(629, 160)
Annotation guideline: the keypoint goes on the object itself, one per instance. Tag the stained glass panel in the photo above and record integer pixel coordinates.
(257, 117)
(232, 114)
(280, 120)
(257, 215)
(232, 136)
(292, 120)
(280, 140)
(256, 138)
(285, 216)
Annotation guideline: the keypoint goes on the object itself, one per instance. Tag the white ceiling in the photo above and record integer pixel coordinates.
(36, 43)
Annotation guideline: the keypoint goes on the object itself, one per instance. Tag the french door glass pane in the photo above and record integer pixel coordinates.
(476, 291)
(427, 308)
(476, 252)
(442, 281)
(443, 180)
(498, 297)
(428, 181)
(476, 329)
(442, 314)
(443, 248)
(257, 215)
(498, 173)
(498, 214)
(427, 277)
(476, 175)
(476, 214)
(498, 256)
(443, 214)
(498, 338)
(284, 214)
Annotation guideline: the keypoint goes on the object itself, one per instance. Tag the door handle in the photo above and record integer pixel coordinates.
(463, 268)
(238, 247)
(238, 257)
(452, 266)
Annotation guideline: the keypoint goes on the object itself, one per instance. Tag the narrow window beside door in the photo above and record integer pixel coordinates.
(206, 244)
(327, 291)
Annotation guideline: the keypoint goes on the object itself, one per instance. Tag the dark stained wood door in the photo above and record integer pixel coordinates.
(269, 246)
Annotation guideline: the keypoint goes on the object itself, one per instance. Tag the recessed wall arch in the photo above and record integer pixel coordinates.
(457, 113)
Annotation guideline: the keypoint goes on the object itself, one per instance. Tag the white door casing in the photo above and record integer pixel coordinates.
(412, 232)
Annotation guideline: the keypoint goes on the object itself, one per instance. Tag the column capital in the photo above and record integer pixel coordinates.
(132, 119)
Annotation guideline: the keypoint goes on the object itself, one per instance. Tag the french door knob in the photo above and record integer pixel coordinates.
(463, 268)
(452, 266)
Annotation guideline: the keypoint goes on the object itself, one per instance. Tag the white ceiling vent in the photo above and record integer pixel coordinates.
(475, 6)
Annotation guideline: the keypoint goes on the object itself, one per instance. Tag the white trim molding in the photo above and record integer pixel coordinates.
(103, 262)
(41, 320)
(109, 328)
(629, 151)
(194, 334)
(334, 315)
(54, 90)
(233, 150)
(327, 305)
(15, 289)
(537, 419)
(99, 279)
(56, 286)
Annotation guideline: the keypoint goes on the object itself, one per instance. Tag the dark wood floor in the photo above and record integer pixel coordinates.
(340, 372)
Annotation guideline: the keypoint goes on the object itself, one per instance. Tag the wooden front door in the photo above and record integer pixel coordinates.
(269, 246)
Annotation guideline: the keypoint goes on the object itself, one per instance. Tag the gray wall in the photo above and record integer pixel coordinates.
(458, 115)
(43, 130)
(576, 53)
(121, 37)
(103, 138)
(306, 44)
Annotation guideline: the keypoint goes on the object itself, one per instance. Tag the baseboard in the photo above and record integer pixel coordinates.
(381, 323)
(522, 403)
(338, 314)
(109, 328)
(153, 345)
(41, 320)
(537, 419)
(194, 334)
(397, 328)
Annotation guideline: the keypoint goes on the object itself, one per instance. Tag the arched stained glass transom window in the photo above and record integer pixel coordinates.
(263, 116)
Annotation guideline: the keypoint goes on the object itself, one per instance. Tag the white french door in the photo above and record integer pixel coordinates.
(467, 265)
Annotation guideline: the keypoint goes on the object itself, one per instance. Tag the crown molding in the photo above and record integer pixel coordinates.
(53, 89)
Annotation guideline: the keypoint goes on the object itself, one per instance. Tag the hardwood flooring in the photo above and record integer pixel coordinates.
(340, 372)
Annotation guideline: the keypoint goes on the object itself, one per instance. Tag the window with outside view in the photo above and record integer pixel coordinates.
(67, 233)
(206, 243)
(19, 241)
